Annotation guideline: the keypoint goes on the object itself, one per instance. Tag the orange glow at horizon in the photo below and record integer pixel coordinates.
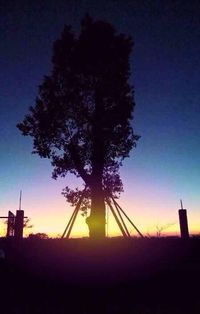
(149, 210)
(53, 225)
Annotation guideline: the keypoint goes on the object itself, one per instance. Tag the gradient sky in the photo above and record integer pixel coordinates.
(165, 166)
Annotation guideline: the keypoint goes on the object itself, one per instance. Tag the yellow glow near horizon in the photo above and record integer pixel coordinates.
(54, 225)
(49, 212)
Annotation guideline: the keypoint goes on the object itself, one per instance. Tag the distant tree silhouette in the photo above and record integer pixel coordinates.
(81, 120)
(38, 235)
(27, 224)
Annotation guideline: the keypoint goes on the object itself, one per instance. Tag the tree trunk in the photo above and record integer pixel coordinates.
(96, 220)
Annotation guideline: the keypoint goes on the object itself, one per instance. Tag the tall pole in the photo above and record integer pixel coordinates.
(183, 222)
(20, 200)
(181, 204)
(19, 224)
(19, 220)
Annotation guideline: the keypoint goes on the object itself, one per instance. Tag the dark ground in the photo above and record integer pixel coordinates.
(137, 276)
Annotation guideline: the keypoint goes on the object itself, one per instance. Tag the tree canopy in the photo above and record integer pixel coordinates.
(82, 115)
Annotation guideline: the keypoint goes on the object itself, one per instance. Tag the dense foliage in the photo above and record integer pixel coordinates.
(81, 120)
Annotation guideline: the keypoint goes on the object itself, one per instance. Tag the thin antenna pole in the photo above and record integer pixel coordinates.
(181, 204)
(20, 200)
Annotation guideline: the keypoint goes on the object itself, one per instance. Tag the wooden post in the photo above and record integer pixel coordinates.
(183, 222)
(19, 224)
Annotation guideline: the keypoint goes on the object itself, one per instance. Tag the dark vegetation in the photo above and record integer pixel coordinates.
(82, 117)
(111, 276)
(81, 121)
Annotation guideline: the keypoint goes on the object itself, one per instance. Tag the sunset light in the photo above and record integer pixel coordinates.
(100, 157)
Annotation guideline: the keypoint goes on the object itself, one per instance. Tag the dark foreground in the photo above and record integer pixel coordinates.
(141, 276)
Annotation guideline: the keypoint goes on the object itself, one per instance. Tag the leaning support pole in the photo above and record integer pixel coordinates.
(122, 220)
(116, 218)
(117, 205)
(74, 212)
(73, 218)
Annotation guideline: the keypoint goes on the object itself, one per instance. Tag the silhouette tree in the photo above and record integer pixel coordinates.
(81, 120)
(39, 235)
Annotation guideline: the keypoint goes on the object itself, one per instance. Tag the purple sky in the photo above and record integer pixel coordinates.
(166, 65)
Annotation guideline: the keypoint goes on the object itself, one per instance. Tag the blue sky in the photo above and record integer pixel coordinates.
(165, 62)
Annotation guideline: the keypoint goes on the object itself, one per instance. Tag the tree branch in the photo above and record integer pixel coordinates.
(79, 164)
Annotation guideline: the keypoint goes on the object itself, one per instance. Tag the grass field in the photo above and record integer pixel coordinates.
(138, 276)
